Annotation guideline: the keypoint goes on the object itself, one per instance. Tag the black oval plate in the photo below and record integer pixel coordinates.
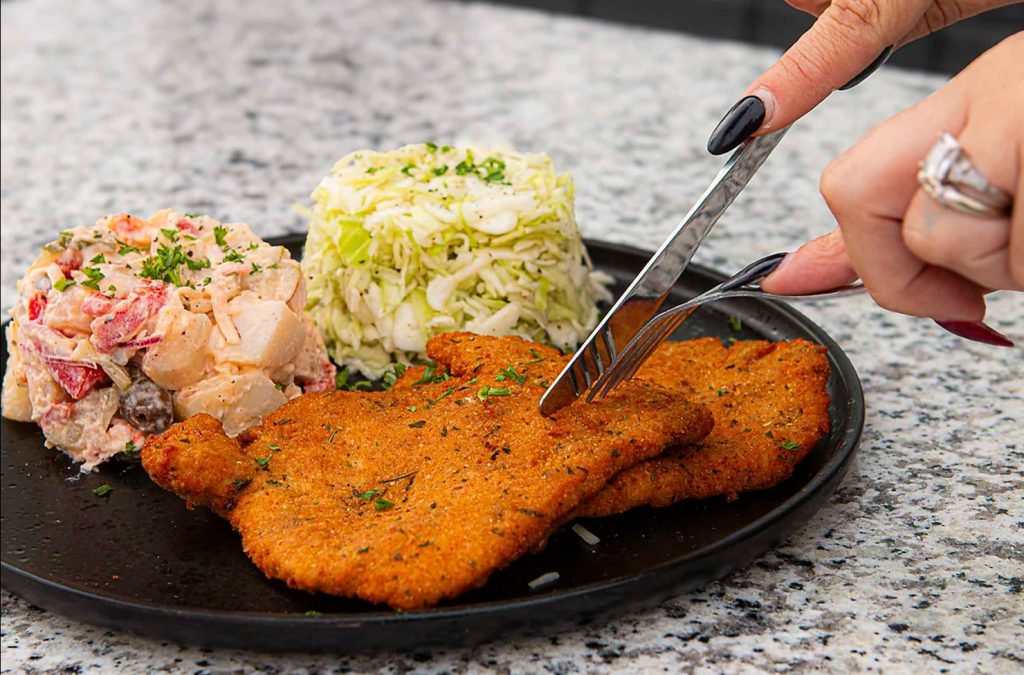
(138, 560)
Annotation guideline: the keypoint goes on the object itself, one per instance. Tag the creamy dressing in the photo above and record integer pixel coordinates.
(206, 311)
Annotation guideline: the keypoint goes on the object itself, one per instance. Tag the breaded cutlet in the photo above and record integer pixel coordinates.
(419, 493)
(770, 404)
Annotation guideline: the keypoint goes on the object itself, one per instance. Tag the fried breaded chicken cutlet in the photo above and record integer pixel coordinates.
(417, 494)
(770, 405)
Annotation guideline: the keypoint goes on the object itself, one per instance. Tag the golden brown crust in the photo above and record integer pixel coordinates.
(770, 405)
(417, 494)
(198, 461)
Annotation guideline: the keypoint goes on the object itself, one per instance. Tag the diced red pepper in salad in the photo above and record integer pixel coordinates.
(128, 316)
(36, 306)
(76, 379)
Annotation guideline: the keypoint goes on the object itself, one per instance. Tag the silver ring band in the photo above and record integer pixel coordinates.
(948, 176)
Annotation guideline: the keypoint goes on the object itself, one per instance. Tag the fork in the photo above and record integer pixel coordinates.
(658, 329)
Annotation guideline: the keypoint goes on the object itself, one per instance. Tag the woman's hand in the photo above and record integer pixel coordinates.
(914, 255)
(850, 39)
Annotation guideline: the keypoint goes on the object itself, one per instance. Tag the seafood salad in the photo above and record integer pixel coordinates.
(126, 326)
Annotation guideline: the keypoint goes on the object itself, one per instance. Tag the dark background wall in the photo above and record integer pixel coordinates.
(773, 22)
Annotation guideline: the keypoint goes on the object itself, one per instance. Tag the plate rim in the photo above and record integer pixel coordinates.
(832, 469)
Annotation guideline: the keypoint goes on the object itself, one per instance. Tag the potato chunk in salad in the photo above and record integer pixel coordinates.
(126, 326)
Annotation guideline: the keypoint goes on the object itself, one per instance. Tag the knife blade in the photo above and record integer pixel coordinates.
(648, 290)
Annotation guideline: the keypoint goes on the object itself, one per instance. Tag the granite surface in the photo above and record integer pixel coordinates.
(236, 108)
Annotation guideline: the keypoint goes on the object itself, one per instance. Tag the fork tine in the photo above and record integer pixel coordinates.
(651, 336)
(670, 325)
(637, 353)
(609, 344)
(589, 374)
(574, 382)
(666, 328)
(595, 353)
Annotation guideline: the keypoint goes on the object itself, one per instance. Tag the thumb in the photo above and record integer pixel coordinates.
(848, 36)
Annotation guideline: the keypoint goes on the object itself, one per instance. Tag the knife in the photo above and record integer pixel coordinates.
(648, 290)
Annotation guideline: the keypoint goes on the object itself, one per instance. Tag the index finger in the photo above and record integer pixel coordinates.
(848, 36)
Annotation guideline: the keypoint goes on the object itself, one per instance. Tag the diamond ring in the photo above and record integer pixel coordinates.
(948, 176)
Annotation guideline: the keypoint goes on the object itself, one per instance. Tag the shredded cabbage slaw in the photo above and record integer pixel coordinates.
(425, 239)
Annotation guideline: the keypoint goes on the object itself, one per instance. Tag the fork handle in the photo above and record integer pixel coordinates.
(755, 271)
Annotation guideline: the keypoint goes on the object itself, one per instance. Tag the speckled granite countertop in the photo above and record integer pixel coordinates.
(237, 109)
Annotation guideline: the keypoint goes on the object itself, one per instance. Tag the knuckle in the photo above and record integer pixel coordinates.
(808, 66)
(838, 187)
(941, 14)
(857, 16)
(887, 298)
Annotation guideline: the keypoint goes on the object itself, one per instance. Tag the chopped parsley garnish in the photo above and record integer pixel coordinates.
(164, 265)
(94, 276)
(445, 395)
(129, 446)
(430, 375)
(234, 256)
(103, 490)
(63, 283)
(723, 391)
(253, 245)
(263, 461)
(736, 323)
(790, 445)
(97, 259)
(369, 494)
(382, 504)
(255, 269)
(488, 391)
(274, 446)
(412, 408)
(439, 170)
(125, 249)
(171, 235)
(191, 215)
(373, 169)
(431, 146)
(535, 354)
(407, 169)
(510, 373)
(219, 234)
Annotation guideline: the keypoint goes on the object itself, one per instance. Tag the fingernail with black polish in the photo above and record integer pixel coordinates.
(872, 67)
(977, 331)
(742, 120)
